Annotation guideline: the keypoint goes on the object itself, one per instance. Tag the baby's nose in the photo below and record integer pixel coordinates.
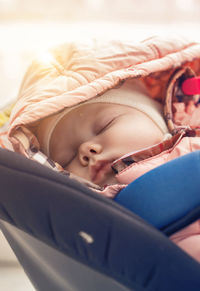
(87, 151)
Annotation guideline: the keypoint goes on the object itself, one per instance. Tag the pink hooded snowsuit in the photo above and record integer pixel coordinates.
(73, 73)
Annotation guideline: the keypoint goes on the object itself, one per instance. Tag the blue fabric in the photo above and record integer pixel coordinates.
(167, 193)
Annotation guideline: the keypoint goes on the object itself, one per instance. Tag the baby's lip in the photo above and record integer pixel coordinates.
(99, 170)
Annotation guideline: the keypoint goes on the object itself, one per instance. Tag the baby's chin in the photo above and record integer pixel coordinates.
(108, 179)
(111, 180)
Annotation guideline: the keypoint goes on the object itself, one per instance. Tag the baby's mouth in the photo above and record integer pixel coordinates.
(100, 170)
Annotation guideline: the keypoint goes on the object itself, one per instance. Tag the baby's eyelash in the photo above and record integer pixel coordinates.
(105, 126)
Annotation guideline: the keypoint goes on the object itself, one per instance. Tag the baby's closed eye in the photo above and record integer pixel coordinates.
(104, 125)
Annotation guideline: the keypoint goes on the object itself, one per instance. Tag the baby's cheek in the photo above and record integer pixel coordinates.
(75, 168)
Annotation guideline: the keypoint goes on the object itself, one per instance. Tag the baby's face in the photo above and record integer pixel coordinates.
(89, 138)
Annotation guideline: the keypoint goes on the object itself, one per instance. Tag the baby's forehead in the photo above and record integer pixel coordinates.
(88, 108)
(93, 110)
(98, 106)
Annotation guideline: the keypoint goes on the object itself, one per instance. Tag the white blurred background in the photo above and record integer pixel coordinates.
(28, 27)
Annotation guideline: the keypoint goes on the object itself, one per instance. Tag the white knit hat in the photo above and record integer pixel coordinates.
(131, 93)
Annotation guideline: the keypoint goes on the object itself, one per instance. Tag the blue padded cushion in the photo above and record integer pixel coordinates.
(167, 193)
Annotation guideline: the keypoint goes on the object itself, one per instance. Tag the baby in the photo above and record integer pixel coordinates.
(88, 138)
(118, 134)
